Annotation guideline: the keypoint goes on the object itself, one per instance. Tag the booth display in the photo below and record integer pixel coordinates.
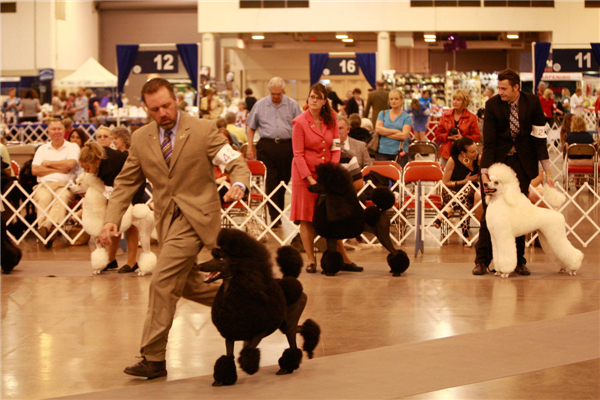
(90, 74)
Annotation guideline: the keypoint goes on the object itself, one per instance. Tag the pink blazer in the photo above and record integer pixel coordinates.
(311, 146)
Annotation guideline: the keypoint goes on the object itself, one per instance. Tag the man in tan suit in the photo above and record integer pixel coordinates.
(177, 153)
(378, 99)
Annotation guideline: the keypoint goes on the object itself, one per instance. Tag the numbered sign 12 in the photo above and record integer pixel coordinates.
(341, 66)
(574, 60)
(162, 62)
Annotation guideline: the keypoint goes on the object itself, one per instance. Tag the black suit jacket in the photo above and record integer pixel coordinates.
(497, 140)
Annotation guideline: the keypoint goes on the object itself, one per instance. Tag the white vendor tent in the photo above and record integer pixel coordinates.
(90, 74)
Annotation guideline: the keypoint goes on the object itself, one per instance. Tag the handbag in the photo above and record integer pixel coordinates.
(373, 144)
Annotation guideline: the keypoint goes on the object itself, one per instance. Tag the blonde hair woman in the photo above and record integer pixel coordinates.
(460, 118)
(393, 126)
(106, 164)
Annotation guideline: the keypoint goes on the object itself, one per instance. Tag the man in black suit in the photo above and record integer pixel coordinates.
(513, 134)
(335, 99)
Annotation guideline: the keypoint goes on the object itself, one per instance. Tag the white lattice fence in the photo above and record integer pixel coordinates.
(34, 133)
(440, 236)
(581, 210)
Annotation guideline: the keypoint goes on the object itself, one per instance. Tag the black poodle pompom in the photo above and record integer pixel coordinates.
(398, 263)
(290, 261)
(372, 215)
(290, 361)
(249, 360)
(225, 372)
(311, 332)
(292, 289)
(332, 262)
(383, 198)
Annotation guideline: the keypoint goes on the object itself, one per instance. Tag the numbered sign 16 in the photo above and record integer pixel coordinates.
(162, 62)
(341, 66)
(574, 60)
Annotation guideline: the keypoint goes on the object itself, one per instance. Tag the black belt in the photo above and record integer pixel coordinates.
(276, 140)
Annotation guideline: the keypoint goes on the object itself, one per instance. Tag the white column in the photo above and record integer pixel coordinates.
(383, 52)
(208, 53)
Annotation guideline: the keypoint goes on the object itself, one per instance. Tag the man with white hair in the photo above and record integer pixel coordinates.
(272, 117)
(356, 147)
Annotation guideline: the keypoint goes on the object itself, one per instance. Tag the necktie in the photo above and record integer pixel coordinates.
(166, 147)
(514, 120)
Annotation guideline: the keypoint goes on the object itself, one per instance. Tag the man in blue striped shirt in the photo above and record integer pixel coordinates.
(272, 117)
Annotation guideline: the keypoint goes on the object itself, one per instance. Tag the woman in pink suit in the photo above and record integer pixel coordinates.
(315, 140)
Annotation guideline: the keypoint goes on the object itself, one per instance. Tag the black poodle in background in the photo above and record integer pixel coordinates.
(251, 304)
(339, 215)
(11, 254)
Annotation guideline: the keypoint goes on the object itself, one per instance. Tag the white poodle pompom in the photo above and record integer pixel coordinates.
(146, 263)
(99, 260)
(554, 197)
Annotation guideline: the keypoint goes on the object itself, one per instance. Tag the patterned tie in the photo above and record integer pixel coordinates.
(166, 147)
(514, 121)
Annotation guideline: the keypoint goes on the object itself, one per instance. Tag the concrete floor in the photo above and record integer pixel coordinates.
(437, 332)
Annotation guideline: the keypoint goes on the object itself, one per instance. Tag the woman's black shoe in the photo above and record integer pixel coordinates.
(111, 265)
(311, 268)
(125, 269)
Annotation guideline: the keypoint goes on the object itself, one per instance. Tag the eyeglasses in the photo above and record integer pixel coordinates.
(313, 97)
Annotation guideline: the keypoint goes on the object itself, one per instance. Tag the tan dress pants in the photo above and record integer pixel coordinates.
(44, 197)
(174, 276)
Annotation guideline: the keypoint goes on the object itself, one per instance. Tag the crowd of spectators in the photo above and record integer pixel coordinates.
(269, 120)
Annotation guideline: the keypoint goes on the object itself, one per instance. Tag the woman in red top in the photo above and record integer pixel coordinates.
(548, 106)
(315, 140)
(459, 117)
(597, 104)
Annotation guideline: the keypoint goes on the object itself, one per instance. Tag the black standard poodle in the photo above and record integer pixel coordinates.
(11, 254)
(251, 304)
(339, 215)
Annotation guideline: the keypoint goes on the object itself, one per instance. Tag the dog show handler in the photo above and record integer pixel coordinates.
(177, 154)
(513, 134)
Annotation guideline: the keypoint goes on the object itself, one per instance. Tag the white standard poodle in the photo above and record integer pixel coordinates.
(94, 207)
(511, 214)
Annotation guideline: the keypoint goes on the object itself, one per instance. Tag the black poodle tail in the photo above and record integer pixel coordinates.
(289, 261)
(311, 332)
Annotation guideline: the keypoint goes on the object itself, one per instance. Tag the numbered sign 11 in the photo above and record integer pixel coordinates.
(341, 66)
(574, 60)
(151, 62)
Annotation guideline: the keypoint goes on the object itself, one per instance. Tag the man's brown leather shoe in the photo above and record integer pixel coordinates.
(148, 369)
(522, 270)
(479, 269)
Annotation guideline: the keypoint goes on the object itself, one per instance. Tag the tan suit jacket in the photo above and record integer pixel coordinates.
(378, 99)
(189, 182)
(359, 149)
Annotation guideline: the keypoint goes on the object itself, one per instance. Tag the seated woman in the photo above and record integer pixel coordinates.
(220, 176)
(106, 164)
(462, 168)
(579, 135)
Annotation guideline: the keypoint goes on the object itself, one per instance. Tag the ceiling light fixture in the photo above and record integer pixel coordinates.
(258, 36)
(429, 36)
(341, 35)
(430, 40)
(512, 35)
(347, 40)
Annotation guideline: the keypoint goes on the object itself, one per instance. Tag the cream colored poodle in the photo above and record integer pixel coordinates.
(511, 214)
(94, 207)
